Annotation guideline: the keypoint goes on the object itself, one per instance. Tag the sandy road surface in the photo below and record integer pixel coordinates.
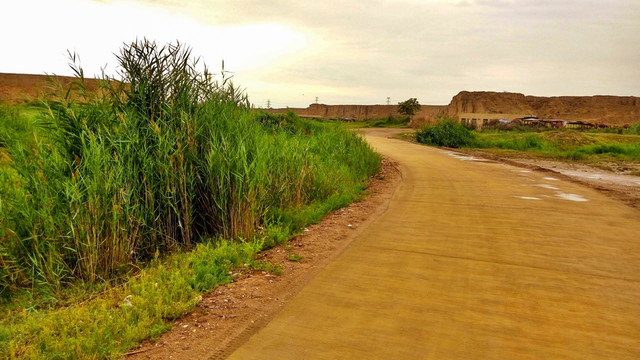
(472, 260)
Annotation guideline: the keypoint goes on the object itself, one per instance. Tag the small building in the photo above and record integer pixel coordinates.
(529, 121)
(554, 123)
(478, 120)
(581, 125)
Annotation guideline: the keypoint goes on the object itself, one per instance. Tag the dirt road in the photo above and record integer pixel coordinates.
(472, 260)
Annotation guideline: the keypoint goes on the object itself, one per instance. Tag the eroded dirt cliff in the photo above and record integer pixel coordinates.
(614, 110)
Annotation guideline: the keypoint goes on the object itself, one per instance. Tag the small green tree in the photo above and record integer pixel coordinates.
(409, 107)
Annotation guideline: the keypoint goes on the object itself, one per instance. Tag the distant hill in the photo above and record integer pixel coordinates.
(24, 88)
(613, 110)
(360, 112)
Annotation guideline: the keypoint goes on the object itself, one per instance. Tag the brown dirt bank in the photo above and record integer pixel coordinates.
(25, 88)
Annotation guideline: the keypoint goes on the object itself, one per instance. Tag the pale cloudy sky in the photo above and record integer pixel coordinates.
(349, 52)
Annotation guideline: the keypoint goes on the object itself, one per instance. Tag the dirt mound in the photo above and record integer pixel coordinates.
(607, 109)
(489, 103)
(24, 88)
(614, 110)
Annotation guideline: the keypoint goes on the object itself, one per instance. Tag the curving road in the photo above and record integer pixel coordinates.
(472, 260)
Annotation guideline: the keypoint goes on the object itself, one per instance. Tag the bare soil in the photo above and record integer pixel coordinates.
(230, 314)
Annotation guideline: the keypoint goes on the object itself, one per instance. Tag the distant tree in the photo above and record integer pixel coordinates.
(409, 107)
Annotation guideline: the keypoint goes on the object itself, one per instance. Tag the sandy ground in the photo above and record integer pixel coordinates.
(614, 183)
(473, 259)
(227, 316)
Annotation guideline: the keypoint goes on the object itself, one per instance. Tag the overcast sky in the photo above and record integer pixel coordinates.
(349, 52)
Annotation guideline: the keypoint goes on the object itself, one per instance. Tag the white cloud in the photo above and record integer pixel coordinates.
(96, 30)
(362, 51)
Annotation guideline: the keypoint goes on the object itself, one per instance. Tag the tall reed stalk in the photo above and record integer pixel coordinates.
(153, 162)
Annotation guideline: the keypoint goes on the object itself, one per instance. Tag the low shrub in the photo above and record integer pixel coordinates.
(446, 133)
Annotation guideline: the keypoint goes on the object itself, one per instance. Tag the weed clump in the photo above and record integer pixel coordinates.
(446, 133)
(633, 129)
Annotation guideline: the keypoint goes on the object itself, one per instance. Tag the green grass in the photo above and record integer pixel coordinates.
(385, 122)
(633, 129)
(16, 124)
(141, 308)
(630, 152)
(295, 258)
(586, 146)
(566, 144)
(116, 194)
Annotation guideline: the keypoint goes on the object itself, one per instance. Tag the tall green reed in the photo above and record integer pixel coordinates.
(155, 161)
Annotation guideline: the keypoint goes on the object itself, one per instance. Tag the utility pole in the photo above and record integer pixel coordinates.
(268, 104)
(388, 100)
(316, 99)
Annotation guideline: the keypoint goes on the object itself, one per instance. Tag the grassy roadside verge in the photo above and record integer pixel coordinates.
(384, 122)
(118, 319)
(118, 212)
(102, 321)
(106, 321)
(596, 148)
